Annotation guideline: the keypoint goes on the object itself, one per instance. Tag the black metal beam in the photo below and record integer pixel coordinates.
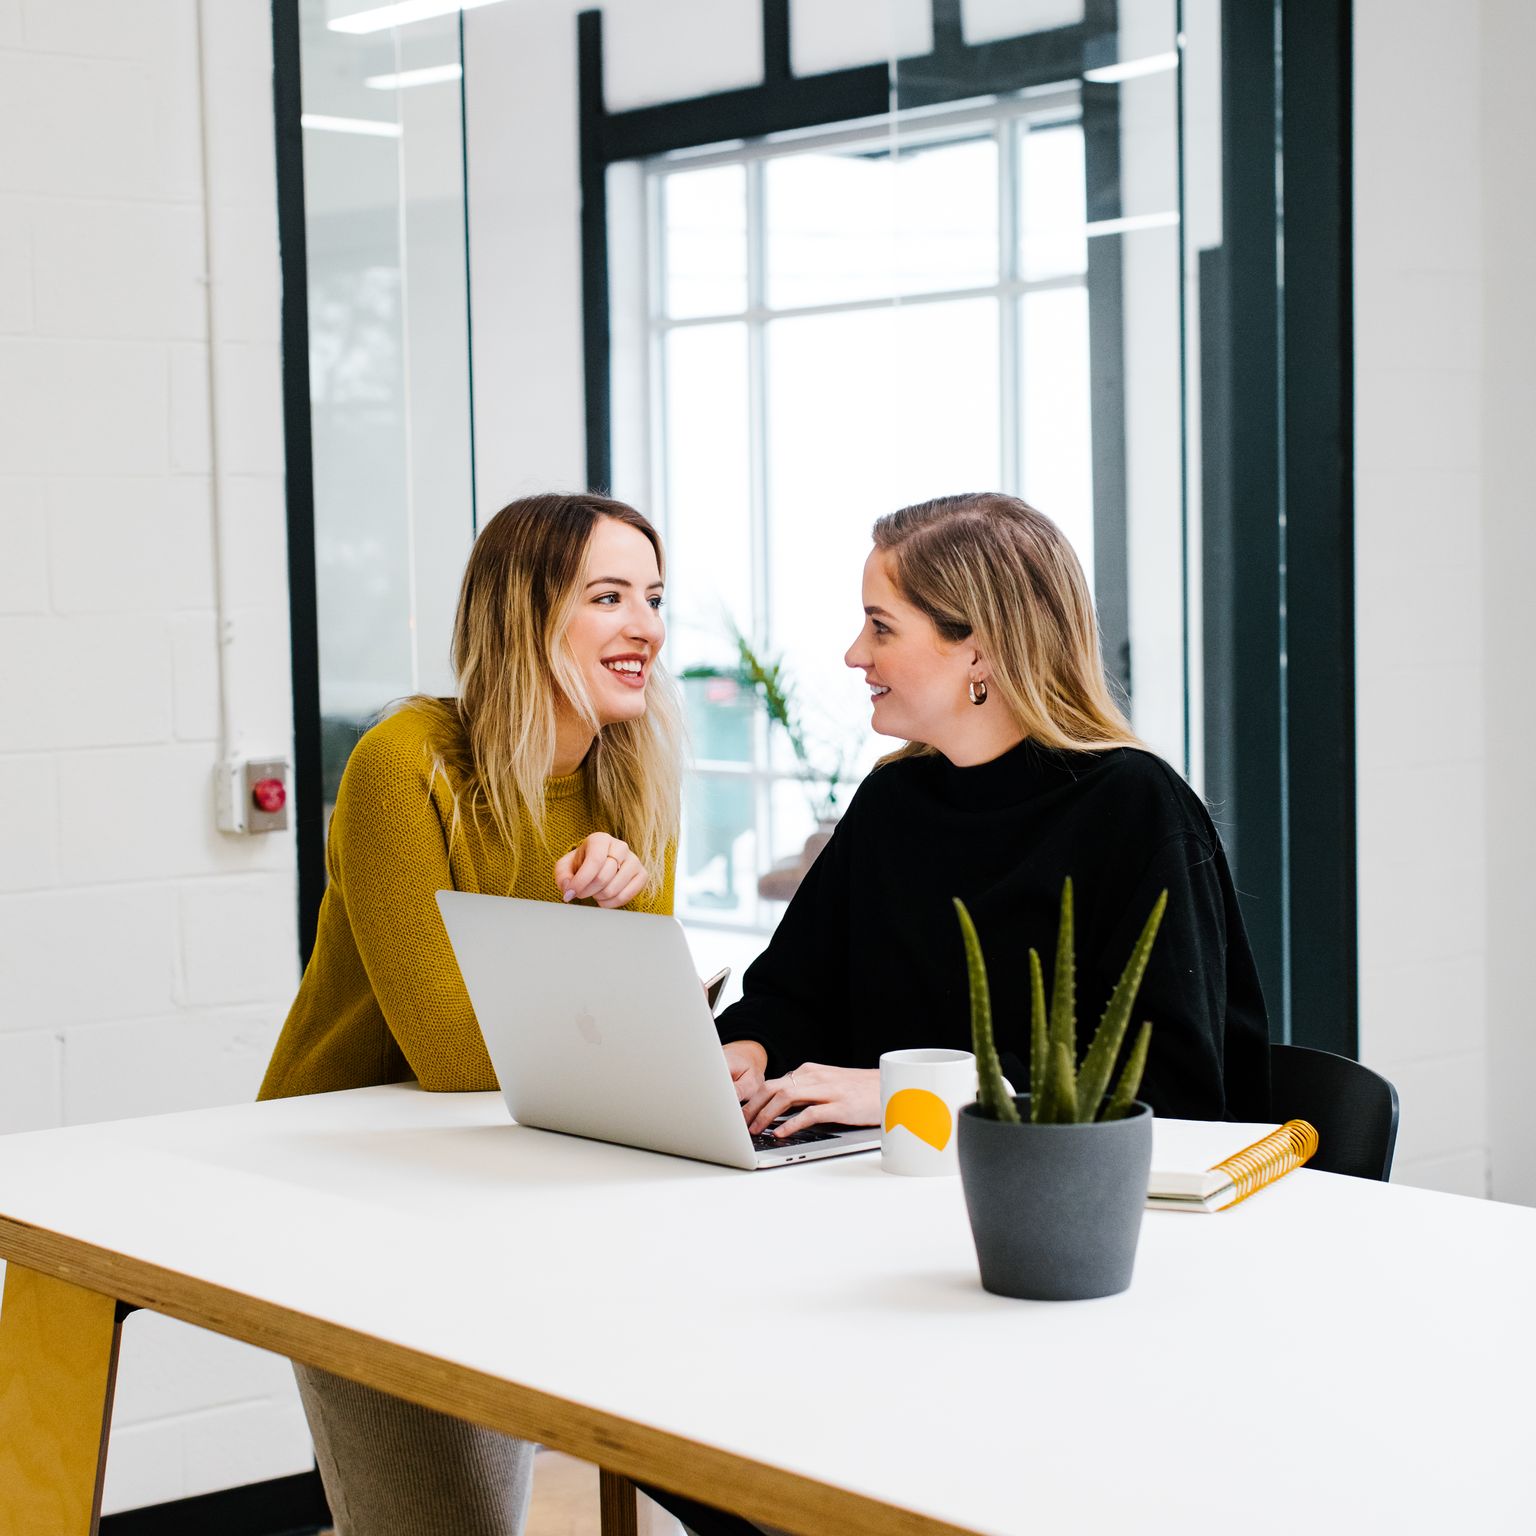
(753, 112)
(1105, 283)
(596, 340)
(1279, 526)
(1319, 506)
(777, 65)
(1254, 808)
(283, 1506)
(1217, 568)
(958, 71)
(298, 452)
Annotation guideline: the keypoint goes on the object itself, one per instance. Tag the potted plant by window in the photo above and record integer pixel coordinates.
(1055, 1179)
(822, 766)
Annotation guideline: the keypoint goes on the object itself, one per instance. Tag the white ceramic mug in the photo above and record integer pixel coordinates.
(921, 1095)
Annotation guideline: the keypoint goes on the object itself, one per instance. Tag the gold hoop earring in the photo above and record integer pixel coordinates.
(978, 691)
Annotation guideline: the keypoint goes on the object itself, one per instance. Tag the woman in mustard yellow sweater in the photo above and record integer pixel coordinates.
(553, 775)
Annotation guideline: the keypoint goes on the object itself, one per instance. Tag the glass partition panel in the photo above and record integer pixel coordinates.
(852, 220)
(1055, 421)
(771, 286)
(1052, 196)
(869, 410)
(704, 230)
(982, 287)
(1091, 314)
(984, 284)
(862, 372)
(389, 361)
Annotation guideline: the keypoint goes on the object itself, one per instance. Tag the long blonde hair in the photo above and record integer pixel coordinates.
(495, 742)
(990, 565)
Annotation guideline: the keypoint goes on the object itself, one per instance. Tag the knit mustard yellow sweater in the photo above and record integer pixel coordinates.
(381, 999)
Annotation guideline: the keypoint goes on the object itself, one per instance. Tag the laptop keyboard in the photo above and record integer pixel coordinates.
(764, 1142)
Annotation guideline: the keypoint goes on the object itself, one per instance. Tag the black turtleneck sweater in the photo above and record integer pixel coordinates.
(868, 957)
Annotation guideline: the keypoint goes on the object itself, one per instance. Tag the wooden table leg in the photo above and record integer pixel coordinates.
(58, 1363)
(616, 1500)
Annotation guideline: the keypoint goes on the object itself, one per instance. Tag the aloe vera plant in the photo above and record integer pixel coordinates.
(1062, 1090)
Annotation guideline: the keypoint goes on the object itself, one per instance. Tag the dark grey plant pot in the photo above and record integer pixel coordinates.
(1055, 1209)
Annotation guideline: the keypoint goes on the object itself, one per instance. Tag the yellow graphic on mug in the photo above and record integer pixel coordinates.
(925, 1114)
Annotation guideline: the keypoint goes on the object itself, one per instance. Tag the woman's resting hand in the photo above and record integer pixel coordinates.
(836, 1095)
(746, 1059)
(603, 868)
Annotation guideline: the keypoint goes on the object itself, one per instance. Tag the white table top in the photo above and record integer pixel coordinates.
(1332, 1355)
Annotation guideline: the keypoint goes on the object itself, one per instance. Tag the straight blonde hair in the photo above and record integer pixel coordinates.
(495, 742)
(990, 566)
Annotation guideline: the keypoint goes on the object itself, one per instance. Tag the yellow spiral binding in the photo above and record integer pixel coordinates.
(1268, 1159)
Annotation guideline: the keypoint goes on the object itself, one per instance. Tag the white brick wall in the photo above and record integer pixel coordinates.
(146, 960)
(1419, 653)
(1509, 564)
(1445, 626)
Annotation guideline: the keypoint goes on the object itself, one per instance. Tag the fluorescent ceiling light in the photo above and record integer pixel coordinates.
(1131, 223)
(370, 126)
(401, 15)
(435, 75)
(1127, 69)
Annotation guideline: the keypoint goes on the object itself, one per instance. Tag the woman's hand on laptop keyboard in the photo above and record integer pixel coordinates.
(831, 1095)
(746, 1059)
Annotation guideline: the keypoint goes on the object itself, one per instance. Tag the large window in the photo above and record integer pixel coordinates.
(842, 324)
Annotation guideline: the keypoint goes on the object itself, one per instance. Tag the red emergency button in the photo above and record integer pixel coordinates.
(268, 795)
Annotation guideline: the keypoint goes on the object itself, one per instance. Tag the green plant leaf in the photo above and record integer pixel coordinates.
(764, 675)
(991, 1096)
(1093, 1079)
(1064, 980)
(1124, 1096)
(1061, 1087)
(1039, 1045)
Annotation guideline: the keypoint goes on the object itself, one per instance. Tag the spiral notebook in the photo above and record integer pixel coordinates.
(1180, 1147)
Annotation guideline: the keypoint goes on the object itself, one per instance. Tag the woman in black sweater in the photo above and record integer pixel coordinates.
(981, 651)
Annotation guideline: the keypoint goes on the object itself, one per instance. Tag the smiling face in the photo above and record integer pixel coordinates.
(918, 680)
(616, 632)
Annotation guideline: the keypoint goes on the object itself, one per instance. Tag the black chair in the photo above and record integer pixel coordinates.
(1353, 1108)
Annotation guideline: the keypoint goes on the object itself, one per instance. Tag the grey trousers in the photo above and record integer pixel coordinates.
(393, 1469)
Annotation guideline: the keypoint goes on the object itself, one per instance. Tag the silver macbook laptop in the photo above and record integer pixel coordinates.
(597, 1026)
